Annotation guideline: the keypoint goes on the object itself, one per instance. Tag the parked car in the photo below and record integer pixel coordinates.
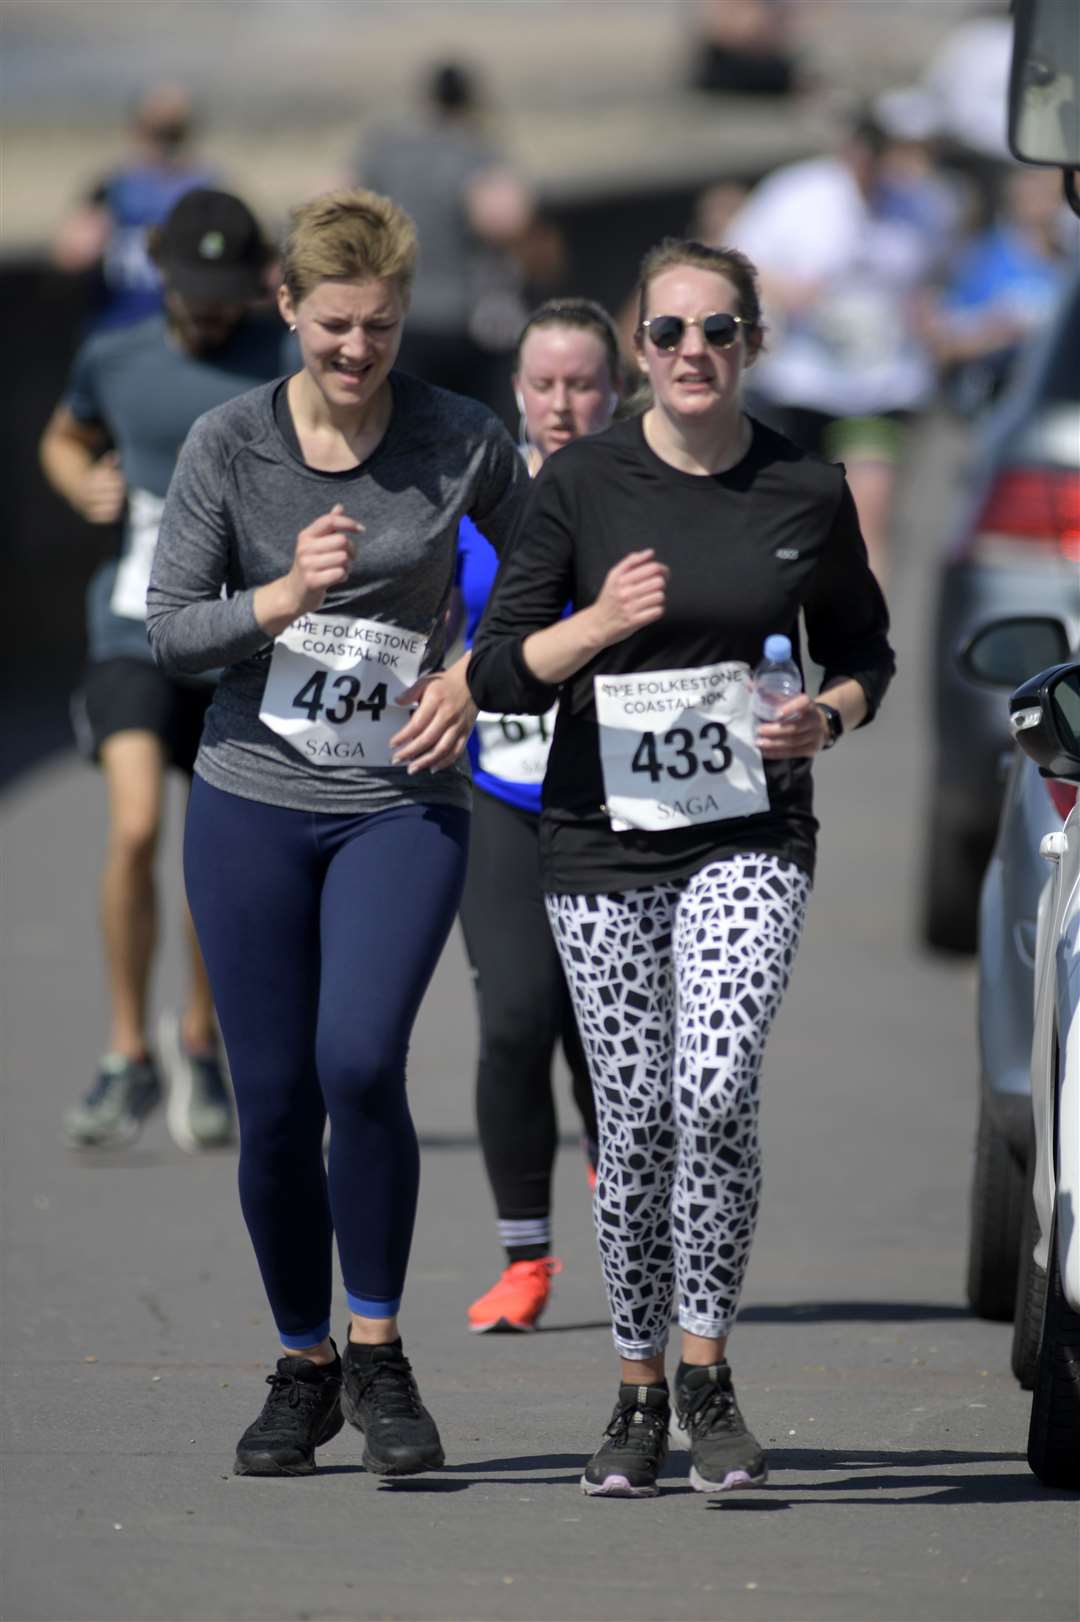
(1045, 720)
(1015, 551)
(998, 1265)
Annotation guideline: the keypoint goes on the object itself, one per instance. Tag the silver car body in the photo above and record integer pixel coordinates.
(1008, 909)
(1055, 1057)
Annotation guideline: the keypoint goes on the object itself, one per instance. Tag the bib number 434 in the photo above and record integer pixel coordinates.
(311, 698)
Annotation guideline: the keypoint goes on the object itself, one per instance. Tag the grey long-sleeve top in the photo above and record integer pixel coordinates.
(240, 496)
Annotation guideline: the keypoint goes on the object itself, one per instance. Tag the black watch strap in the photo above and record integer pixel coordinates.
(834, 722)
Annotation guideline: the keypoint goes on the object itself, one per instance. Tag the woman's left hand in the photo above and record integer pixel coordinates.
(799, 729)
(439, 727)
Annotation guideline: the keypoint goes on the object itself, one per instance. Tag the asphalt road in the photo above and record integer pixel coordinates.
(135, 1336)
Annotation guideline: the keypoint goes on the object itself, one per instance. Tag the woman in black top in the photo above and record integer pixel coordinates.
(678, 833)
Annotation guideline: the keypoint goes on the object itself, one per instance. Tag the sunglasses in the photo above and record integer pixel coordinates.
(719, 329)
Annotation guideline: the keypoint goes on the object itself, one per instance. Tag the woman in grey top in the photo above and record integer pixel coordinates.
(308, 546)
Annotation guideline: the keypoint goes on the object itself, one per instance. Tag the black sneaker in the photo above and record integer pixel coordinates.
(723, 1453)
(627, 1464)
(113, 1111)
(380, 1397)
(302, 1412)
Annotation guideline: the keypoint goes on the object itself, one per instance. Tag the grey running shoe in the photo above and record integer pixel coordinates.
(113, 1111)
(724, 1454)
(199, 1113)
(635, 1446)
(302, 1412)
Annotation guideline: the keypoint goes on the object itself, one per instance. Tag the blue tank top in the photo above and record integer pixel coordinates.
(476, 566)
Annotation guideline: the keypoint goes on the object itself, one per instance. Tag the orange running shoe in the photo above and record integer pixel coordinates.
(518, 1299)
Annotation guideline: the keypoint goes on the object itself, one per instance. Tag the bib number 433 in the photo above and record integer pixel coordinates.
(685, 753)
(677, 747)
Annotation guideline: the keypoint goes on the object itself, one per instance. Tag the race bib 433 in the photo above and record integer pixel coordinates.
(334, 687)
(677, 747)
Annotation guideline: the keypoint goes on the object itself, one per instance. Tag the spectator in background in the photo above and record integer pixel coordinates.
(473, 216)
(107, 231)
(843, 254)
(1002, 289)
(744, 47)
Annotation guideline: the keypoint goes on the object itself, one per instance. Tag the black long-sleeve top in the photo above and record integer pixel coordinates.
(747, 549)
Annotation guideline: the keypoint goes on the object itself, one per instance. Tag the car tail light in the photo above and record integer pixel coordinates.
(1040, 505)
(1062, 794)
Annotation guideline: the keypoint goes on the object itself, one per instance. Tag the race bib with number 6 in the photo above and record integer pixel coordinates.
(133, 571)
(677, 747)
(515, 747)
(334, 687)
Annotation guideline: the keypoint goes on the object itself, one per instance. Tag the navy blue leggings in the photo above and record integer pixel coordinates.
(320, 934)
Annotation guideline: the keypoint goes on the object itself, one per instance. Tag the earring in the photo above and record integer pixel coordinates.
(293, 327)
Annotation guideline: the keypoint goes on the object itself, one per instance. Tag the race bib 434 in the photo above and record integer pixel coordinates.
(334, 687)
(677, 747)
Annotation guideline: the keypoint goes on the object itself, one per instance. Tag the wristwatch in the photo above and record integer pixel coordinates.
(834, 723)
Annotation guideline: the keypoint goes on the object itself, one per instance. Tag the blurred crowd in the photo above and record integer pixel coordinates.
(907, 265)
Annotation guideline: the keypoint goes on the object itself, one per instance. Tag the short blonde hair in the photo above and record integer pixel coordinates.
(350, 235)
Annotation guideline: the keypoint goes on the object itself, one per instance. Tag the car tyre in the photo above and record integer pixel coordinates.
(953, 872)
(1030, 1299)
(1054, 1435)
(997, 1205)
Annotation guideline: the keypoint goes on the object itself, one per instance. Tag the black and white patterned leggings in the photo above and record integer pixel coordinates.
(675, 987)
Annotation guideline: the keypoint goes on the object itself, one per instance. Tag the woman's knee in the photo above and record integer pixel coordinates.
(362, 1072)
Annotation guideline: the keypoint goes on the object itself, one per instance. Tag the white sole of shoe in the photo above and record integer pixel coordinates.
(732, 1482)
(177, 1078)
(504, 1326)
(616, 1487)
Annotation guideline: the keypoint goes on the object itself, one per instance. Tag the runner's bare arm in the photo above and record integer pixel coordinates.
(73, 462)
(632, 595)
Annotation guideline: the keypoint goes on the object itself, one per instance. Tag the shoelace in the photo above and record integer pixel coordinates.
(289, 1388)
(392, 1388)
(709, 1407)
(643, 1435)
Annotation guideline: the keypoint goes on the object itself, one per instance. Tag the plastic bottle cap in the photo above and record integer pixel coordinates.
(777, 648)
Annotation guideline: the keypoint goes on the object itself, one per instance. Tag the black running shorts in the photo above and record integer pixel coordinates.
(133, 695)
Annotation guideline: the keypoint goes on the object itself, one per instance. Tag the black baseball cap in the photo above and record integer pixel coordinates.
(210, 247)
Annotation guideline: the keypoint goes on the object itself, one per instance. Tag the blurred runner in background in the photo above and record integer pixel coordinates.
(108, 231)
(472, 213)
(566, 377)
(843, 253)
(109, 449)
(1002, 288)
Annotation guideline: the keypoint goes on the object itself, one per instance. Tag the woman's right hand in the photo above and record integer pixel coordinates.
(633, 595)
(324, 551)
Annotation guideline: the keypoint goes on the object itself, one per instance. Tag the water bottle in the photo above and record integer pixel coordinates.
(776, 679)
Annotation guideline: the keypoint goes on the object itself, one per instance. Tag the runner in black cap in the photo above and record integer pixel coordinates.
(109, 450)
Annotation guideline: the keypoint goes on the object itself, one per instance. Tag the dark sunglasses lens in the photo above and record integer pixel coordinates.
(666, 331)
(720, 330)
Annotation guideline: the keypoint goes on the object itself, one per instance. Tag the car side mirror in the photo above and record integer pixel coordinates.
(1005, 652)
(1044, 83)
(1044, 716)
